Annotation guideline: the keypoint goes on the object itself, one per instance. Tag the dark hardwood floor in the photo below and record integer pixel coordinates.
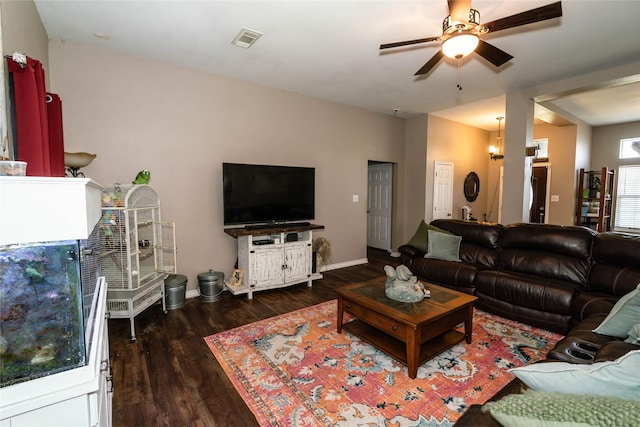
(169, 377)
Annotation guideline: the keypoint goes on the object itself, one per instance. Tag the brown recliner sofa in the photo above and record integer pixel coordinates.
(532, 273)
(564, 279)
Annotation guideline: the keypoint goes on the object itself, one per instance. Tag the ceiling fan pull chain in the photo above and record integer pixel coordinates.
(459, 86)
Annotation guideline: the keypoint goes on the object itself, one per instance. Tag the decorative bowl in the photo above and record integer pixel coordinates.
(78, 160)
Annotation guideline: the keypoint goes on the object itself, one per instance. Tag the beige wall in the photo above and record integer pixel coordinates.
(15, 18)
(492, 194)
(22, 31)
(415, 158)
(182, 124)
(605, 149)
(562, 154)
(467, 148)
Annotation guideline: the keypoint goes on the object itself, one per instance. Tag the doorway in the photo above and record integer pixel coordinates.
(540, 180)
(379, 205)
(442, 190)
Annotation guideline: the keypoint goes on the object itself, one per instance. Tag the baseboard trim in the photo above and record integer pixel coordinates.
(345, 264)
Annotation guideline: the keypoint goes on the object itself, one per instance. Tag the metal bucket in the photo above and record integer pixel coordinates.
(175, 290)
(210, 285)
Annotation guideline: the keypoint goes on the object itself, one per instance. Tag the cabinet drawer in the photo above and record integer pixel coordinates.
(385, 324)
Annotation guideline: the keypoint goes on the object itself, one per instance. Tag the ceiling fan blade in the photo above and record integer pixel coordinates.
(408, 42)
(550, 11)
(492, 54)
(429, 65)
(459, 10)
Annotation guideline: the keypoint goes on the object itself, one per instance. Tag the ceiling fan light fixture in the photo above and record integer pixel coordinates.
(459, 45)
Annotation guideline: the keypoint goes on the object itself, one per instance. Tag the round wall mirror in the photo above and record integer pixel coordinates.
(471, 186)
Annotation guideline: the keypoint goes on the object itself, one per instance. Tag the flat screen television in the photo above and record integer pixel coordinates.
(265, 194)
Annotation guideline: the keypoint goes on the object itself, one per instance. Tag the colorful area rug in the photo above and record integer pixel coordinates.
(296, 370)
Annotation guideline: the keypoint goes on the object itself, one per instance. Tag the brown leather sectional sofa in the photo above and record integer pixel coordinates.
(564, 279)
(548, 276)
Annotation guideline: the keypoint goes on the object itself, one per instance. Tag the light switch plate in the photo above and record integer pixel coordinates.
(555, 198)
(355, 198)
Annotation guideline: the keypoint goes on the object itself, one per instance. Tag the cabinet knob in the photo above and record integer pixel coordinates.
(395, 328)
(348, 305)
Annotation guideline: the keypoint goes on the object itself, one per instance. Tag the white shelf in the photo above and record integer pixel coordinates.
(43, 209)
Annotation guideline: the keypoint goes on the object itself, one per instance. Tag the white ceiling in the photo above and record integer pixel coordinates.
(330, 50)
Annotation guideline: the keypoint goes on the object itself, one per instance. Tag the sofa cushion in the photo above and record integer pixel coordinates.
(455, 275)
(480, 241)
(551, 251)
(443, 246)
(624, 314)
(420, 239)
(586, 304)
(542, 409)
(616, 264)
(554, 322)
(617, 378)
(535, 292)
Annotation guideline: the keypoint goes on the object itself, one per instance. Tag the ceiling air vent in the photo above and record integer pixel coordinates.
(246, 38)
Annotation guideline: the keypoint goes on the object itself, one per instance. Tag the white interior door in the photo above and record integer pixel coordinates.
(379, 203)
(443, 190)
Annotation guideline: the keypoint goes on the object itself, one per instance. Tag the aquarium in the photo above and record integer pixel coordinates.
(44, 307)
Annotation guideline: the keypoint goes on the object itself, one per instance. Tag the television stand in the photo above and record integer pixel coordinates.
(286, 260)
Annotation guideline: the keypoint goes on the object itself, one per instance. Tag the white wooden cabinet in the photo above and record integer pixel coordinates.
(269, 261)
(73, 398)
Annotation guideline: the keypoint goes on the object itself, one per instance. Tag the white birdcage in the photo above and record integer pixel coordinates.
(137, 249)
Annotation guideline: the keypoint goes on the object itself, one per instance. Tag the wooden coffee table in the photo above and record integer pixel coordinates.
(413, 332)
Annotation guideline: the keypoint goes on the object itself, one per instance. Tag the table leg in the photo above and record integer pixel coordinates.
(340, 314)
(413, 352)
(468, 325)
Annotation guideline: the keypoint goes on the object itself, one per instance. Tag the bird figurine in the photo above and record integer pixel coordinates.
(143, 177)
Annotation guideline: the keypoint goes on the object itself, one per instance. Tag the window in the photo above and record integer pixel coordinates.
(628, 199)
(630, 148)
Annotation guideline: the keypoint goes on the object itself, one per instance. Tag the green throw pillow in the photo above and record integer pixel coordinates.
(443, 246)
(622, 316)
(543, 409)
(421, 237)
(617, 378)
(634, 334)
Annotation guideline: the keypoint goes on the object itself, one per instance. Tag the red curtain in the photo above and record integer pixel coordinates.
(56, 140)
(32, 121)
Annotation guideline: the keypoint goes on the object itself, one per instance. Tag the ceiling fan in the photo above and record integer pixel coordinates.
(461, 32)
